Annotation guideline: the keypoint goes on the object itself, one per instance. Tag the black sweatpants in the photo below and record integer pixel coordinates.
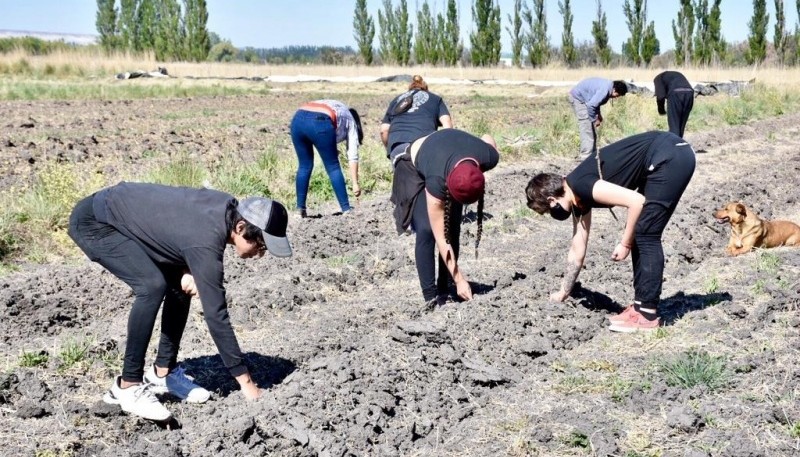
(425, 249)
(679, 105)
(662, 190)
(152, 284)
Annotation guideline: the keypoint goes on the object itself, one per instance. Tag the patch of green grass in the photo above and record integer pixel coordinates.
(342, 260)
(695, 368)
(711, 285)
(758, 287)
(185, 172)
(577, 439)
(73, 352)
(794, 430)
(33, 359)
(767, 261)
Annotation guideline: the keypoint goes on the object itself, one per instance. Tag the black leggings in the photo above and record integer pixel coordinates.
(152, 284)
(662, 191)
(679, 105)
(425, 250)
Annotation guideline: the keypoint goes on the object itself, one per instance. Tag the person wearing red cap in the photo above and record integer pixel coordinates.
(449, 168)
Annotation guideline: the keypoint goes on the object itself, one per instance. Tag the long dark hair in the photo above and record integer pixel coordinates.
(359, 129)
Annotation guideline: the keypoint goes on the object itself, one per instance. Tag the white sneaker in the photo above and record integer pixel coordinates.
(177, 383)
(138, 400)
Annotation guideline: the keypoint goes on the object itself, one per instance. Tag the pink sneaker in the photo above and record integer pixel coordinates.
(621, 317)
(635, 323)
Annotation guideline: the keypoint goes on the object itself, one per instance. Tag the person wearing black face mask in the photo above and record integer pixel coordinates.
(647, 174)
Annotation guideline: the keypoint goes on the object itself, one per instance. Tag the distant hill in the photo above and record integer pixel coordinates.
(75, 38)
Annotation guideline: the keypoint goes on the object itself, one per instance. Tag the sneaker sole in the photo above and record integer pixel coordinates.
(622, 329)
(110, 399)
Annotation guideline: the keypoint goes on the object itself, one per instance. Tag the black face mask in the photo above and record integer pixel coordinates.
(559, 213)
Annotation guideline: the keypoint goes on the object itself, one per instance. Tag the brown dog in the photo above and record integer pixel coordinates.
(749, 231)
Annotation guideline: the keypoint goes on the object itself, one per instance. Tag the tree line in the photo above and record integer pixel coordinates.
(696, 30)
(170, 30)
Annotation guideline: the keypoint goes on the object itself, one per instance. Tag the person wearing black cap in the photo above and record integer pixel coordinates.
(449, 168)
(646, 173)
(167, 244)
(672, 87)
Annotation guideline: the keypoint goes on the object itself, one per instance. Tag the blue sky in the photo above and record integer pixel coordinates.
(278, 23)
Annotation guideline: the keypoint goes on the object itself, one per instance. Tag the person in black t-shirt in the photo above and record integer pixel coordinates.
(673, 87)
(646, 173)
(445, 172)
(412, 115)
(167, 244)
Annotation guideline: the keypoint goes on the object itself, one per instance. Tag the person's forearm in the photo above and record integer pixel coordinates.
(385, 137)
(628, 235)
(570, 275)
(354, 173)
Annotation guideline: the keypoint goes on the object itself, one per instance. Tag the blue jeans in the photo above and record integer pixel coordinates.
(310, 130)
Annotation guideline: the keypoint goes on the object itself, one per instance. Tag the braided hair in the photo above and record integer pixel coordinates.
(448, 208)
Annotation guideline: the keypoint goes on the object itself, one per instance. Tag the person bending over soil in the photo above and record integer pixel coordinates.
(322, 124)
(412, 115)
(167, 244)
(646, 173)
(672, 87)
(586, 99)
(442, 172)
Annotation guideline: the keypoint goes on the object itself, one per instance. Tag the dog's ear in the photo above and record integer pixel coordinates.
(741, 209)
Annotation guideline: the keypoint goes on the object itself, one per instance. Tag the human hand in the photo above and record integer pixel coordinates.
(187, 285)
(559, 296)
(620, 252)
(597, 122)
(356, 190)
(463, 289)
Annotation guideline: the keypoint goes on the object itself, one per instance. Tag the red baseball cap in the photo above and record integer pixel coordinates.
(466, 182)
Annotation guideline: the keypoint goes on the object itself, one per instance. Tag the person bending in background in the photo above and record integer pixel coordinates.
(586, 99)
(446, 172)
(150, 236)
(646, 173)
(412, 115)
(323, 124)
(674, 88)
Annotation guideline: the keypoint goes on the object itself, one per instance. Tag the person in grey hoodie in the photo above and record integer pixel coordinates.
(586, 99)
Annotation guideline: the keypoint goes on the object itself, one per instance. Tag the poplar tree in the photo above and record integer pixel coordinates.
(169, 36)
(757, 39)
(650, 44)
(537, 42)
(780, 38)
(719, 47)
(635, 16)
(682, 31)
(703, 47)
(600, 35)
(425, 40)
(127, 24)
(106, 24)
(452, 47)
(486, 38)
(404, 33)
(146, 26)
(386, 23)
(197, 41)
(567, 40)
(515, 33)
(363, 31)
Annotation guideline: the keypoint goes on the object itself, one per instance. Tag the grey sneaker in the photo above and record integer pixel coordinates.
(138, 400)
(177, 383)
